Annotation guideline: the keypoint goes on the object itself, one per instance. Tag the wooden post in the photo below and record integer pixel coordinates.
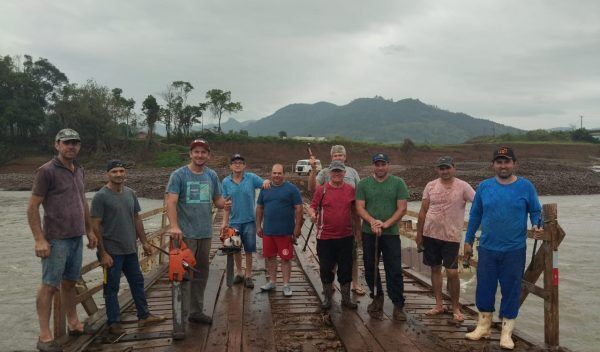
(551, 326)
(163, 223)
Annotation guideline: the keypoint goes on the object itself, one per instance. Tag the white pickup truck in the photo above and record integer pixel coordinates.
(303, 167)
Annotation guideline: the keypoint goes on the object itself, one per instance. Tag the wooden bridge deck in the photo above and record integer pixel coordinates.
(249, 320)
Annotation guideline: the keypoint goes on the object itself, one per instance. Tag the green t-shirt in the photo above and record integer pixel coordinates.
(381, 199)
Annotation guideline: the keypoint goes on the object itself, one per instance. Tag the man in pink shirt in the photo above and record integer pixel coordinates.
(440, 228)
(333, 211)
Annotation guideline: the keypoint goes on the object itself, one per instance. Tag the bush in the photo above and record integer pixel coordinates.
(170, 158)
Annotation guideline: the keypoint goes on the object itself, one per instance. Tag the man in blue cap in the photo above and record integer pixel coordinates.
(381, 201)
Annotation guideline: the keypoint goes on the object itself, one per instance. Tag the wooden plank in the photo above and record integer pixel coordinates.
(536, 290)
(551, 310)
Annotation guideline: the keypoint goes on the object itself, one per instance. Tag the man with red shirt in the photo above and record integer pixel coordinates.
(333, 210)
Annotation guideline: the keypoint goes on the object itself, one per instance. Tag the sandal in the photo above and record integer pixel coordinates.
(359, 291)
(458, 317)
(436, 311)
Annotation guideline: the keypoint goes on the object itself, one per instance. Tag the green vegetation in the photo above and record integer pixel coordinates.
(170, 158)
(578, 135)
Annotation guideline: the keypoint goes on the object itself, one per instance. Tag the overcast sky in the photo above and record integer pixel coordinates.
(529, 64)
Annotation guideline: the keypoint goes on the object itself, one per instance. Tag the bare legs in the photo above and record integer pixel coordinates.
(44, 307)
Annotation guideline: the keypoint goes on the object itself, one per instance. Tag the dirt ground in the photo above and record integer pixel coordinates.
(555, 169)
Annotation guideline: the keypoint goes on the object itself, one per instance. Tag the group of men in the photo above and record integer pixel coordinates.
(339, 202)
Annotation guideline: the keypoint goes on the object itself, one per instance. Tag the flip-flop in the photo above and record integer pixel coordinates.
(436, 311)
(458, 317)
(359, 291)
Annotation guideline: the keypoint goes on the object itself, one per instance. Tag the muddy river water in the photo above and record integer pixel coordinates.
(20, 273)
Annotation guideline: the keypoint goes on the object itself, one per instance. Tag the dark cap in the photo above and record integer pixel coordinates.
(237, 156)
(445, 161)
(337, 165)
(114, 163)
(67, 134)
(504, 152)
(380, 157)
(199, 143)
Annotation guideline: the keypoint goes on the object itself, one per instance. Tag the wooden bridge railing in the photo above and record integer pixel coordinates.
(545, 261)
(85, 294)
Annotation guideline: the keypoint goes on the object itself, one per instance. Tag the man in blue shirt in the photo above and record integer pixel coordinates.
(191, 192)
(281, 208)
(241, 186)
(501, 206)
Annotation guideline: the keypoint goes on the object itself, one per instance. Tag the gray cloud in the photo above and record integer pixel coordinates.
(522, 63)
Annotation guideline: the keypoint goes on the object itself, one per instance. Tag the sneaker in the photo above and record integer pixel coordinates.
(200, 318)
(116, 329)
(249, 283)
(269, 286)
(151, 319)
(287, 291)
(50, 346)
(238, 279)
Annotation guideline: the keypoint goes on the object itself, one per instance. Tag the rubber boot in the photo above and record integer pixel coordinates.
(506, 342)
(327, 294)
(484, 324)
(346, 298)
(375, 308)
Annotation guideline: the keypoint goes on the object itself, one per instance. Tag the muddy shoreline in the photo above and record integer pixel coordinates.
(549, 178)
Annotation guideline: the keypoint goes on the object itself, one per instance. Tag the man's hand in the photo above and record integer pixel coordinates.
(42, 248)
(148, 250)
(106, 260)
(376, 227)
(313, 217)
(266, 184)
(227, 204)
(538, 233)
(419, 240)
(467, 251)
(259, 231)
(175, 233)
(92, 240)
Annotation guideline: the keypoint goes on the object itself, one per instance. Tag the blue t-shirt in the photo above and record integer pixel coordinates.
(502, 212)
(194, 206)
(279, 207)
(242, 197)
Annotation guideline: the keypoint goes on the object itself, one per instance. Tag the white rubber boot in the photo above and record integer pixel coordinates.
(506, 342)
(484, 324)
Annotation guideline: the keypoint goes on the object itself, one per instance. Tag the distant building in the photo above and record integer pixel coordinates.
(309, 138)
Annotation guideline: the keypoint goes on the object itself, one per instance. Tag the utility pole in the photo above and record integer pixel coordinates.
(581, 121)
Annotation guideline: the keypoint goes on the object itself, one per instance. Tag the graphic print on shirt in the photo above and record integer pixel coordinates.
(197, 192)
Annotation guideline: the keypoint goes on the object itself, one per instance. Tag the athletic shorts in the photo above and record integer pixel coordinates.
(64, 261)
(278, 245)
(247, 233)
(439, 252)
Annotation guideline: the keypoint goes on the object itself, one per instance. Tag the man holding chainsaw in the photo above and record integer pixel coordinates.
(241, 186)
(117, 225)
(191, 191)
(333, 210)
(381, 203)
(501, 206)
(338, 153)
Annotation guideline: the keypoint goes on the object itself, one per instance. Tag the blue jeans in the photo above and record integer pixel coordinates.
(506, 268)
(247, 232)
(389, 249)
(64, 261)
(130, 266)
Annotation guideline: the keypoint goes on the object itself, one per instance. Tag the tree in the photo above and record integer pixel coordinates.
(407, 148)
(151, 109)
(219, 102)
(121, 109)
(176, 98)
(282, 134)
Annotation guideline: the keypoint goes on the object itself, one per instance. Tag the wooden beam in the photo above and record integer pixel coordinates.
(551, 316)
(535, 289)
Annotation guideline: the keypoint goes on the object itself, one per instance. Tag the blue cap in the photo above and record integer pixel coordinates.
(380, 157)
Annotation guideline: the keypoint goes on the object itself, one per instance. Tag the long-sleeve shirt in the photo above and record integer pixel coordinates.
(502, 211)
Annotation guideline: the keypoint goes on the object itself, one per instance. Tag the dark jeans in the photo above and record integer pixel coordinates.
(332, 252)
(130, 266)
(390, 251)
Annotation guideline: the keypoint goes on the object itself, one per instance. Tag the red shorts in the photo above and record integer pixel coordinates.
(278, 245)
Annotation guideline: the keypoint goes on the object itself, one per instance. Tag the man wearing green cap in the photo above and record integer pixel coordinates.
(59, 187)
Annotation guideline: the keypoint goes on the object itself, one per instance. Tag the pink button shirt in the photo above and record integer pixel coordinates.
(446, 214)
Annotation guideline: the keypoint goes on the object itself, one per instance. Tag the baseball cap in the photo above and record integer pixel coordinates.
(380, 157)
(504, 152)
(237, 156)
(199, 143)
(445, 161)
(67, 134)
(337, 165)
(114, 163)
